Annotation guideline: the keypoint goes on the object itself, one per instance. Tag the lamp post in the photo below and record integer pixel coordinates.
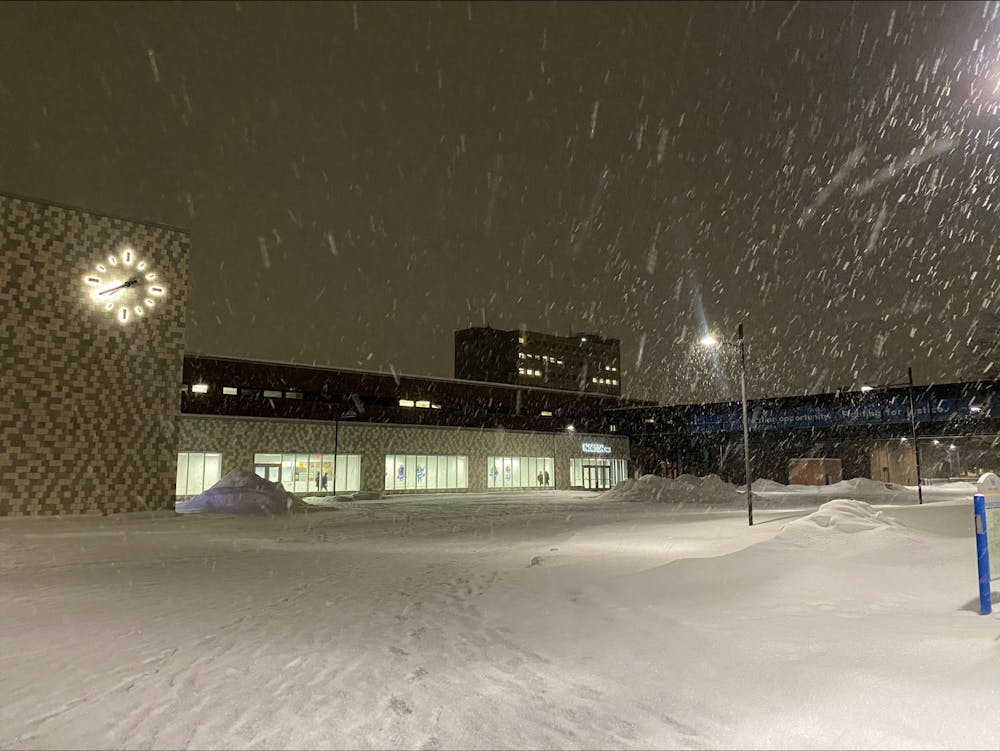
(740, 343)
(347, 415)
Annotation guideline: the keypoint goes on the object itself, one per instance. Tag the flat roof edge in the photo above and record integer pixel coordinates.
(83, 210)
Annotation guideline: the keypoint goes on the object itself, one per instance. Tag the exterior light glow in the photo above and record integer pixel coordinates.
(709, 341)
(423, 403)
(200, 388)
(571, 428)
(406, 403)
(975, 409)
(546, 413)
(936, 442)
(953, 447)
(867, 388)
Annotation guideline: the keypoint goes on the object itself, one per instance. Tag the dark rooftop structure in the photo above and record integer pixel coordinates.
(236, 387)
(581, 362)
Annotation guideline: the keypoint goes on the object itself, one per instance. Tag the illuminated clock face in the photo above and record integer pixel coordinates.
(125, 286)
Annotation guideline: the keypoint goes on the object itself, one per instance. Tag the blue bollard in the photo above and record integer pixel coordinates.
(983, 555)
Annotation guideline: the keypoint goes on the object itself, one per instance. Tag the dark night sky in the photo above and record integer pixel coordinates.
(362, 179)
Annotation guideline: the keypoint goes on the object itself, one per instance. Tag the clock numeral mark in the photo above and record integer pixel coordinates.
(112, 260)
(123, 315)
(150, 277)
(138, 310)
(102, 268)
(109, 306)
(156, 290)
(93, 281)
(127, 256)
(149, 303)
(141, 266)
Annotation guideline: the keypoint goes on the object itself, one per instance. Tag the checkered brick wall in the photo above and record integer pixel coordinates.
(239, 438)
(89, 422)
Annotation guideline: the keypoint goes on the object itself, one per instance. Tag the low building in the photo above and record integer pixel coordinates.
(331, 430)
(581, 362)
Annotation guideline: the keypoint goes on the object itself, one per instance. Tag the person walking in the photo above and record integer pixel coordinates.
(325, 478)
(546, 478)
(541, 478)
(317, 481)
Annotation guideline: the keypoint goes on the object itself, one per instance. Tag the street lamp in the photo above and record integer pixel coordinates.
(711, 342)
(346, 415)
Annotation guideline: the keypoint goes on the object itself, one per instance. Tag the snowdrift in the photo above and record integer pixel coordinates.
(330, 500)
(242, 492)
(708, 490)
(711, 490)
(841, 515)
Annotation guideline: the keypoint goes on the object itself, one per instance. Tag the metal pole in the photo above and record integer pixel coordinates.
(336, 441)
(746, 424)
(913, 435)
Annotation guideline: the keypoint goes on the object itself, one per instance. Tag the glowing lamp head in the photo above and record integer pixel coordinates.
(709, 341)
(867, 388)
(571, 428)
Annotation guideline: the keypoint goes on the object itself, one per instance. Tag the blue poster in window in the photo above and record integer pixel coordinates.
(506, 473)
(400, 474)
(493, 472)
(420, 474)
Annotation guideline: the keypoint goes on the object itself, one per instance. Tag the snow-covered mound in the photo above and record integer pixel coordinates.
(767, 486)
(708, 490)
(329, 500)
(841, 515)
(243, 492)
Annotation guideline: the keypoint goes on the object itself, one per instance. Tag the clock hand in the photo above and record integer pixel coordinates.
(129, 283)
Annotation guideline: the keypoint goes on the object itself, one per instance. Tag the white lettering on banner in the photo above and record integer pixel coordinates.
(596, 448)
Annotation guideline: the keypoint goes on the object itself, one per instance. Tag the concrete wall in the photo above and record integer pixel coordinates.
(89, 420)
(239, 438)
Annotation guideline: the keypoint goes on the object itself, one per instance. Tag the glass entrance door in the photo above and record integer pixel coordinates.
(596, 476)
(270, 472)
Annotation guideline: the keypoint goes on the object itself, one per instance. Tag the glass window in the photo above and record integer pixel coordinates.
(450, 481)
(182, 473)
(432, 481)
(390, 471)
(197, 471)
(420, 472)
(461, 472)
(271, 394)
(229, 390)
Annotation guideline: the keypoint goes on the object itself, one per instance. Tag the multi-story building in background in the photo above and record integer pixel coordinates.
(581, 362)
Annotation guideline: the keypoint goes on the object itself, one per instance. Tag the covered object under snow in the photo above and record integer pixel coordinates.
(243, 492)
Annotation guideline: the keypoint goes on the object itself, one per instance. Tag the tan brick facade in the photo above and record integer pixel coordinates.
(89, 422)
(238, 439)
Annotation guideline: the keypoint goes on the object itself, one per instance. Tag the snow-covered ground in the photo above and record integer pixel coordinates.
(541, 620)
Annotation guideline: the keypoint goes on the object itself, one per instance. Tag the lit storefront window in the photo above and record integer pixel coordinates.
(426, 472)
(305, 473)
(196, 471)
(520, 472)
